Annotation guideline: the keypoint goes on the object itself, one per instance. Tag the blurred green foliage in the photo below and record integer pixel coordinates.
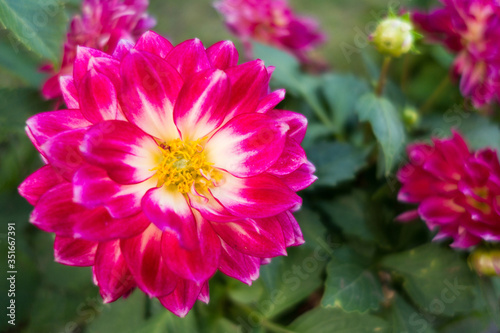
(359, 271)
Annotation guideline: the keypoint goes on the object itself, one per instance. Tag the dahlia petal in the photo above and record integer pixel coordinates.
(300, 178)
(182, 299)
(98, 98)
(63, 152)
(83, 56)
(109, 68)
(419, 153)
(142, 254)
(247, 145)
(248, 84)
(122, 49)
(291, 159)
(464, 239)
(417, 185)
(39, 182)
(439, 210)
(74, 252)
(152, 42)
(41, 127)
(407, 216)
(188, 66)
(128, 154)
(150, 90)
(296, 122)
(52, 211)
(92, 188)
(255, 197)
(204, 295)
(268, 103)
(198, 264)
(210, 208)
(223, 55)
(201, 105)
(111, 272)
(69, 92)
(238, 265)
(51, 88)
(168, 209)
(261, 238)
(291, 229)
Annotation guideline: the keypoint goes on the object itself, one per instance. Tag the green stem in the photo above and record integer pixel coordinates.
(437, 92)
(405, 73)
(383, 76)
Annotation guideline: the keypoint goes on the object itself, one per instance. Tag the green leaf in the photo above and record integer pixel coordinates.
(351, 287)
(336, 162)
(321, 320)
(436, 278)
(38, 25)
(386, 124)
(342, 91)
(289, 280)
(406, 319)
(287, 75)
(349, 212)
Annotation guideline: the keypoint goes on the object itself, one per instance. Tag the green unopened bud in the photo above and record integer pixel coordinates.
(394, 36)
(485, 262)
(411, 117)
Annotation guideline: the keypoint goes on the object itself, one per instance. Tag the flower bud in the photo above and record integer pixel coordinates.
(394, 36)
(410, 117)
(486, 262)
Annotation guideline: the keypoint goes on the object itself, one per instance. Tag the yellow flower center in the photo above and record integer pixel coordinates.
(184, 165)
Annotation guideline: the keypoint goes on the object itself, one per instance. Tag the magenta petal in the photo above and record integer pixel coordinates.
(291, 229)
(169, 210)
(41, 127)
(98, 98)
(92, 188)
(74, 252)
(247, 145)
(291, 159)
(182, 299)
(300, 178)
(210, 208)
(39, 182)
(204, 295)
(439, 210)
(128, 154)
(201, 105)
(249, 82)
(255, 197)
(261, 238)
(63, 152)
(187, 66)
(238, 265)
(69, 92)
(407, 216)
(151, 42)
(122, 49)
(268, 103)
(143, 256)
(296, 121)
(150, 90)
(198, 264)
(81, 64)
(109, 68)
(111, 272)
(223, 55)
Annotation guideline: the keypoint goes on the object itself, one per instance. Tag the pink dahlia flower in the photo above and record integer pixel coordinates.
(170, 163)
(471, 29)
(270, 22)
(102, 24)
(456, 190)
